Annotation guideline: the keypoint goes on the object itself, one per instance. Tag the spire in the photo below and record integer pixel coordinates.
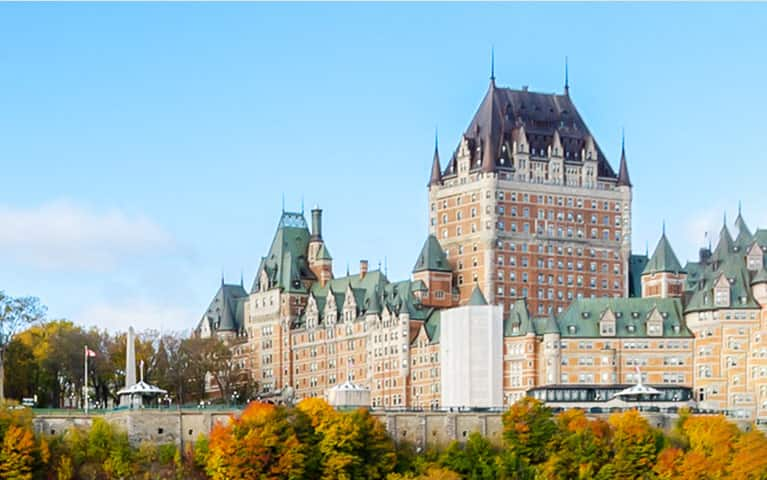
(567, 79)
(436, 168)
(724, 246)
(623, 170)
(492, 64)
(744, 236)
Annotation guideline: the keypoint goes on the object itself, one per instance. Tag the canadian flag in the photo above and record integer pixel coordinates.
(89, 352)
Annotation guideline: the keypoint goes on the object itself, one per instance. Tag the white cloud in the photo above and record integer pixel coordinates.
(62, 235)
(139, 314)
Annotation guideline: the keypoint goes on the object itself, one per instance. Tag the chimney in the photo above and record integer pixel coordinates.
(363, 268)
(316, 223)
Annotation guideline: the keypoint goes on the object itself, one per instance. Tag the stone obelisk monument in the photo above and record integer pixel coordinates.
(130, 365)
(130, 359)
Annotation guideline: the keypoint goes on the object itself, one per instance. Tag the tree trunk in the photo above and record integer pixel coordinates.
(2, 376)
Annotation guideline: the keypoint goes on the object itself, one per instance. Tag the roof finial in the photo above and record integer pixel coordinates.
(725, 219)
(347, 268)
(436, 138)
(222, 277)
(283, 202)
(567, 78)
(302, 204)
(739, 206)
(664, 227)
(492, 64)
(242, 280)
(623, 141)
(646, 248)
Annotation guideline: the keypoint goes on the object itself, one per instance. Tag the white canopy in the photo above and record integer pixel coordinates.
(348, 386)
(637, 389)
(141, 388)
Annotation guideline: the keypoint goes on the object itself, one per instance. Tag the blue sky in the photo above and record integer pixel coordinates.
(146, 147)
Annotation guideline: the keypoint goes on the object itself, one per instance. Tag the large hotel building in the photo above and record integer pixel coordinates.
(526, 280)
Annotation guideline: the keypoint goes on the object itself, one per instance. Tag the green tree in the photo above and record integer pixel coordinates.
(476, 460)
(528, 427)
(15, 315)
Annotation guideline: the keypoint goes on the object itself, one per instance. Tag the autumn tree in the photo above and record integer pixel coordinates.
(17, 454)
(635, 446)
(350, 444)
(16, 313)
(528, 427)
(261, 443)
(749, 460)
(579, 448)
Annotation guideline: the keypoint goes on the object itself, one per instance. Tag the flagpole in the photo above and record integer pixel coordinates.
(85, 394)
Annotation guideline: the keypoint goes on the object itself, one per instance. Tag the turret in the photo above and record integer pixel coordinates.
(320, 261)
(663, 275)
(433, 269)
(759, 287)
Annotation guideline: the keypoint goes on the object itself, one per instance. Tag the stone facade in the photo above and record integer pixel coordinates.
(529, 212)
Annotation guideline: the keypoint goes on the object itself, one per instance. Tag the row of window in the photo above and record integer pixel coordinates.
(559, 201)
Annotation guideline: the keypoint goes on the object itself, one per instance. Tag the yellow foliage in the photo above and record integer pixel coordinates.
(16, 455)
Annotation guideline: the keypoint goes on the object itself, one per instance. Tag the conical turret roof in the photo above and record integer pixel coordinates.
(663, 259)
(476, 297)
(623, 171)
(432, 257)
(436, 168)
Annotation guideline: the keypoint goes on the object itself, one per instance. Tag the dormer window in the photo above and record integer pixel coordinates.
(631, 328)
(572, 329)
(607, 324)
(722, 292)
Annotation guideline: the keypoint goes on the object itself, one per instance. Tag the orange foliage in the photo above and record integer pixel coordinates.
(260, 443)
(750, 459)
(713, 437)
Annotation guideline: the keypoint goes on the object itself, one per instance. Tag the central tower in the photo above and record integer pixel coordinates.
(529, 207)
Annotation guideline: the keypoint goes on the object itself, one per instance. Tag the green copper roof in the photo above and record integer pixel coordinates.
(225, 311)
(432, 257)
(724, 247)
(476, 297)
(663, 259)
(582, 317)
(744, 234)
(432, 326)
(518, 322)
(731, 267)
(637, 264)
(286, 264)
(323, 253)
(760, 277)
